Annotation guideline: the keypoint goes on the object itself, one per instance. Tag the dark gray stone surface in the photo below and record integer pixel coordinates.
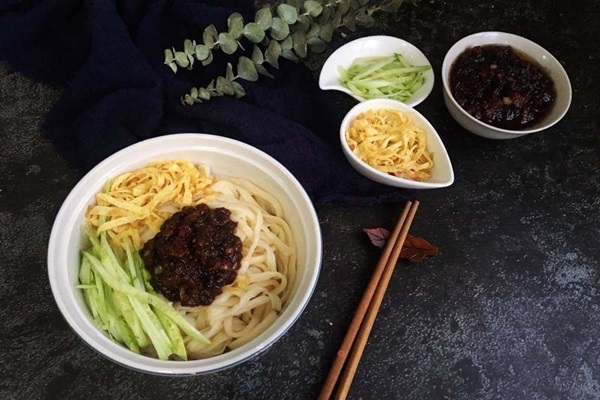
(509, 309)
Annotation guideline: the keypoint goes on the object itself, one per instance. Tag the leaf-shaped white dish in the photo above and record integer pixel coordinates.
(442, 174)
(374, 46)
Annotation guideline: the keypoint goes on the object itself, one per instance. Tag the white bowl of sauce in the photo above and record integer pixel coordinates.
(528, 52)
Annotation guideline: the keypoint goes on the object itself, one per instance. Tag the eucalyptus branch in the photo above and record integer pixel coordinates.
(296, 29)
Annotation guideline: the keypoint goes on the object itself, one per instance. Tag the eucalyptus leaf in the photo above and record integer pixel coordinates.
(325, 15)
(294, 3)
(194, 93)
(253, 32)
(317, 45)
(263, 71)
(246, 69)
(235, 23)
(391, 6)
(181, 59)
(202, 52)
(287, 44)
(168, 56)
(204, 94)
(304, 22)
(314, 31)
(191, 60)
(188, 47)
(224, 86)
(208, 60)
(264, 18)
(210, 36)
(289, 54)
(349, 21)
(363, 2)
(211, 85)
(326, 32)
(229, 72)
(228, 43)
(364, 19)
(314, 8)
(287, 13)
(300, 43)
(273, 52)
(344, 6)
(257, 56)
(337, 18)
(238, 90)
(279, 29)
(173, 66)
(187, 100)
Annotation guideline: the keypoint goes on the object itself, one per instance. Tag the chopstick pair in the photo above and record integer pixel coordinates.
(362, 322)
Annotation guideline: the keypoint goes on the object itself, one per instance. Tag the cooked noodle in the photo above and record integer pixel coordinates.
(267, 270)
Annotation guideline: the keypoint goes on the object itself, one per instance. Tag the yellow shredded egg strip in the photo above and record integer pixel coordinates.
(389, 141)
(132, 207)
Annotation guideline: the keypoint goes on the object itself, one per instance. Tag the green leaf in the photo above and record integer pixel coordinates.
(168, 56)
(294, 3)
(238, 90)
(337, 18)
(325, 15)
(204, 94)
(273, 52)
(287, 44)
(187, 100)
(211, 85)
(235, 23)
(279, 29)
(188, 47)
(287, 13)
(289, 54)
(257, 56)
(263, 71)
(253, 32)
(173, 66)
(228, 43)
(208, 60)
(194, 93)
(181, 59)
(314, 31)
(300, 45)
(317, 45)
(344, 6)
(264, 18)
(210, 36)
(391, 6)
(304, 22)
(229, 72)
(364, 19)
(326, 32)
(349, 21)
(224, 86)
(246, 69)
(314, 8)
(191, 60)
(202, 52)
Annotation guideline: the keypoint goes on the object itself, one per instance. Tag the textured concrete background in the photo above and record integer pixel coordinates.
(509, 309)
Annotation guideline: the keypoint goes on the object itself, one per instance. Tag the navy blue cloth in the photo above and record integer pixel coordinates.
(108, 55)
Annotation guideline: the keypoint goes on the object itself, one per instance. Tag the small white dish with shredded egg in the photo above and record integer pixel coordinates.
(393, 144)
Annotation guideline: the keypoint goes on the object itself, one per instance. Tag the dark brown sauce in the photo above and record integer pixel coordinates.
(500, 87)
(194, 255)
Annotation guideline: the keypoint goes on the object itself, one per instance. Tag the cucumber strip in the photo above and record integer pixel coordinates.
(177, 343)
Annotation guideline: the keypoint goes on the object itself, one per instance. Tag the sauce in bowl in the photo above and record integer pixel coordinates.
(500, 87)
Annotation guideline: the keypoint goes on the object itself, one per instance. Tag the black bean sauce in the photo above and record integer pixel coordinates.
(497, 86)
(194, 255)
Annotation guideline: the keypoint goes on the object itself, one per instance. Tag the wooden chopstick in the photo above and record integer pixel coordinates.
(376, 287)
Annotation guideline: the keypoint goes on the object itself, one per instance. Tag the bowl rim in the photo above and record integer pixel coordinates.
(375, 103)
(63, 226)
(415, 101)
(447, 64)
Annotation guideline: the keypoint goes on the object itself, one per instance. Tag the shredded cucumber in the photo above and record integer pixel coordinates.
(120, 298)
(389, 77)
